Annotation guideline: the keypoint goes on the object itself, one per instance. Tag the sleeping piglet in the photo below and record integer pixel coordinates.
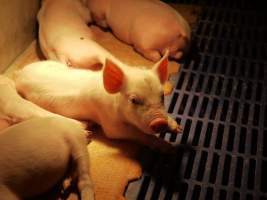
(128, 102)
(65, 36)
(151, 26)
(35, 156)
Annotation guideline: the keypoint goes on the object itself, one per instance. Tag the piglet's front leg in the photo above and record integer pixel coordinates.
(131, 133)
(156, 143)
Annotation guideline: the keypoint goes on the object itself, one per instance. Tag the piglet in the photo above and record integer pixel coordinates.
(14, 108)
(65, 36)
(151, 26)
(35, 155)
(128, 102)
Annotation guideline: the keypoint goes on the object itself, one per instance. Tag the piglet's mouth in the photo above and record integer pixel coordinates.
(158, 125)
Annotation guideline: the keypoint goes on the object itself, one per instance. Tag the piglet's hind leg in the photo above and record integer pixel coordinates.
(152, 55)
(81, 162)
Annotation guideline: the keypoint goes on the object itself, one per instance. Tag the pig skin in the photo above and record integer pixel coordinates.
(35, 155)
(123, 100)
(14, 108)
(151, 26)
(65, 36)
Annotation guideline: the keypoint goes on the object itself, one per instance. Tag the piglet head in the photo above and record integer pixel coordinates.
(139, 94)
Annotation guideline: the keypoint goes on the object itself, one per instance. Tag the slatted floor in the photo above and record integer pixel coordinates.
(220, 98)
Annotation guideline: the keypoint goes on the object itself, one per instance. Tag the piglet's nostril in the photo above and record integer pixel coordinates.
(158, 125)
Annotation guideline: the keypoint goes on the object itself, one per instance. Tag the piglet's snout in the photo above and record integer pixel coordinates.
(158, 125)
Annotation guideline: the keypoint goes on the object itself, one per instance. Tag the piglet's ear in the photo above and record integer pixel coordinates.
(161, 68)
(112, 77)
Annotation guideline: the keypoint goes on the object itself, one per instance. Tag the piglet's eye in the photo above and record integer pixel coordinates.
(136, 101)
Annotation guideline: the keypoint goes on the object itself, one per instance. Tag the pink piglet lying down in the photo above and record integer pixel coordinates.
(65, 36)
(36, 154)
(151, 26)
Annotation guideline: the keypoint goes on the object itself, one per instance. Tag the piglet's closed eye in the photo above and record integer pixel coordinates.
(112, 77)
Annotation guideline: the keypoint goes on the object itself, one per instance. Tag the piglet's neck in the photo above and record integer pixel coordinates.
(93, 96)
(101, 106)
